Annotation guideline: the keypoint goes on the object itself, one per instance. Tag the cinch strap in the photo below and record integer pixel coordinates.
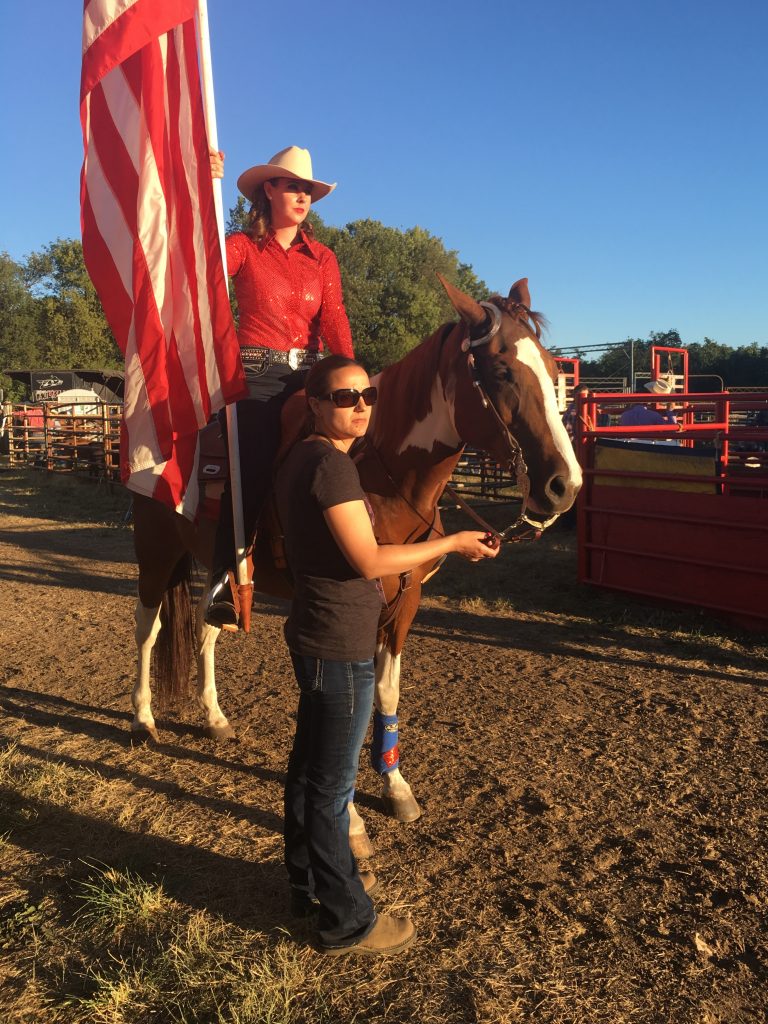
(385, 753)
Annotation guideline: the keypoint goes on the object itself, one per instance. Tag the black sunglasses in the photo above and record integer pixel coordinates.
(347, 398)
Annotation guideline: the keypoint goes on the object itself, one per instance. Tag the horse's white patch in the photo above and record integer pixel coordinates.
(437, 426)
(528, 352)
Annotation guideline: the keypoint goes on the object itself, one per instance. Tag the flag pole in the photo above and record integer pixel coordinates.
(244, 584)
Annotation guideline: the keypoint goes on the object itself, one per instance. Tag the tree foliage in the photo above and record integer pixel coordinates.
(746, 366)
(71, 325)
(391, 291)
(18, 323)
(50, 315)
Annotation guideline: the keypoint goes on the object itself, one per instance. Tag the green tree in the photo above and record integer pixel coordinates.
(391, 290)
(238, 216)
(71, 326)
(18, 323)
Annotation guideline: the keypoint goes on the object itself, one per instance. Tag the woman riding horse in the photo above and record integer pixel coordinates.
(288, 290)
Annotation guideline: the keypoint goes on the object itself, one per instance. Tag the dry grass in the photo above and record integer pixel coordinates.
(65, 496)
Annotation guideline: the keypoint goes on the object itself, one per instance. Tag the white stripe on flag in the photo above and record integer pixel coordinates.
(99, 15)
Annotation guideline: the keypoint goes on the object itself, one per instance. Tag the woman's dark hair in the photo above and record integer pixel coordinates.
(317, 383)
(260, 216)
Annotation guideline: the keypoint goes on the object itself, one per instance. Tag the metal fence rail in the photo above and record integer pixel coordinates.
(65, 438)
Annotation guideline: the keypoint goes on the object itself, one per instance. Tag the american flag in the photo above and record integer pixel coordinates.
(150, 236)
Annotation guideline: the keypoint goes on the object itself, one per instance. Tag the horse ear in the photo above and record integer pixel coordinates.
(471, 312)
(519, 292)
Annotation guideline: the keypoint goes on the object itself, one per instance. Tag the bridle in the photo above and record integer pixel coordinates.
(516, 459)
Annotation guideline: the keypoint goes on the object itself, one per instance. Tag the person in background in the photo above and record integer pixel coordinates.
(570, 416)
(290, 304)
(331, 634)
(643, 415)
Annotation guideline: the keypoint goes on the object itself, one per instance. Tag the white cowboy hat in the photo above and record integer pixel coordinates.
(660, 386)
(293, 162)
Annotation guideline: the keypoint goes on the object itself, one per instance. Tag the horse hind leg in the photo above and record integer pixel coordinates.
(216, 726)
(147, 629)
(385, 751)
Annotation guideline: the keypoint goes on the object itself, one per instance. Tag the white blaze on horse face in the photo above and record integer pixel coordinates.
(437, 426)
(528, 352)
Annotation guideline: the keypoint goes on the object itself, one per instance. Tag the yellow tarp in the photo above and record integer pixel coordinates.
(661, 459)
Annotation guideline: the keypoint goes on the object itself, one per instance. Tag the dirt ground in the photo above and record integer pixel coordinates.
(592, 773)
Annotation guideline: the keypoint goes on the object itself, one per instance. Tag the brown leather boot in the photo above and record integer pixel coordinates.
(388, 936)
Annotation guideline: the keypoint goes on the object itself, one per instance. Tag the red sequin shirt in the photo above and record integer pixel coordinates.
(288, 298)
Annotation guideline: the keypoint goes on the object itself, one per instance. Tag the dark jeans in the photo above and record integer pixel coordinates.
(258, 433)
(335, 702)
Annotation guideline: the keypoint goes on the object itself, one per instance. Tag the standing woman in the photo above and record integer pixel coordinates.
(288, 290)
(331, 633)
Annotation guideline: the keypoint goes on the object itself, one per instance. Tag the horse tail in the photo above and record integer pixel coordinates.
(175, 647)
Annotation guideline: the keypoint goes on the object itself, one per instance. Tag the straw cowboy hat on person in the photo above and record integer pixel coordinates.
(660, 386)
(293, 162)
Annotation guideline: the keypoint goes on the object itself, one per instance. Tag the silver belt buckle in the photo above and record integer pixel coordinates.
(295, 358)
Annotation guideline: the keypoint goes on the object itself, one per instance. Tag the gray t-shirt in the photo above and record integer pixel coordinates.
(335, 612)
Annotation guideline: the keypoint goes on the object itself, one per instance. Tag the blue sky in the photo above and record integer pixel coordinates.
(614, 153)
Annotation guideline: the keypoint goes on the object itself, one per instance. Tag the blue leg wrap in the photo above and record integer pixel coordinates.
(385, 753)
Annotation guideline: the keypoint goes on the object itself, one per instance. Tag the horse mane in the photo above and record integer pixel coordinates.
(407, 387)
(519, 311)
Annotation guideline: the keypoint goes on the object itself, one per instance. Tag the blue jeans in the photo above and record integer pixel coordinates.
(335, 702)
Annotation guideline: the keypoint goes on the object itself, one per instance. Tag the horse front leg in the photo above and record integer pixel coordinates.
(216, 725)
(385, 751)
(147, 628)
(359, 842)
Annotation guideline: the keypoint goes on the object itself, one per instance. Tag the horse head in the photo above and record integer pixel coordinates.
(505, 400)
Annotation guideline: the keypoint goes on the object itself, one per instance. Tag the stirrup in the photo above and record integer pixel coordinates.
(220, 609)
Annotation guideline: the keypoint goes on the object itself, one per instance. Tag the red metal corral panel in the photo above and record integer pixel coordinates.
(707, 550)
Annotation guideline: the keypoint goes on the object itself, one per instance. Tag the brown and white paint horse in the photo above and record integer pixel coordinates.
(486, 382)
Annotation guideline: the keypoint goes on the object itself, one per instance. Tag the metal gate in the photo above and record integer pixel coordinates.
(65, 438)
(678, 512)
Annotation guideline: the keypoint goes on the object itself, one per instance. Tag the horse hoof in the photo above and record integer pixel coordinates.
(360, 845)
(144, 734)
(220, 733)
(403, 808)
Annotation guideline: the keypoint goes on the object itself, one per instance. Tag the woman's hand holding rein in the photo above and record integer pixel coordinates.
(351, 528)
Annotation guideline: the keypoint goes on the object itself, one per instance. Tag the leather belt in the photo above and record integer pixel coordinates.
(294, 357)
